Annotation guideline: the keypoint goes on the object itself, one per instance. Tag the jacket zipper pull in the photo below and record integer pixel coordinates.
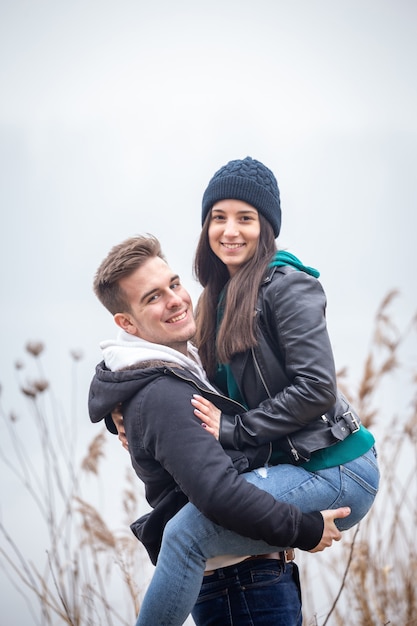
(295, 454)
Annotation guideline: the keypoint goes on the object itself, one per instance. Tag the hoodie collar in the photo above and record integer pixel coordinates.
(127, 350)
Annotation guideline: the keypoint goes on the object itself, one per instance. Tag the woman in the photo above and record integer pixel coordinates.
(263, 339)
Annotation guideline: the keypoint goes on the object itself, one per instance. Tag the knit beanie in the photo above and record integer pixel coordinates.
(249, 181)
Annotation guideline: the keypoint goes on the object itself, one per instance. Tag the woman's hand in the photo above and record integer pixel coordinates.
(207, 413)
(117, 418)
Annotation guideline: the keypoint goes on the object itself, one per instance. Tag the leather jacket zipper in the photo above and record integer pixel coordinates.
(297, 457)
(258, 370)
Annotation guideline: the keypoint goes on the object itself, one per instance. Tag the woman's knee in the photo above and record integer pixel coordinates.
(187, 528)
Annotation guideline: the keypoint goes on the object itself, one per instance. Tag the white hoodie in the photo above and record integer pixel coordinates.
(127, 350)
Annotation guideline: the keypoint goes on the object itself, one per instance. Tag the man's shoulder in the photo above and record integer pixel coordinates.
(165, 382)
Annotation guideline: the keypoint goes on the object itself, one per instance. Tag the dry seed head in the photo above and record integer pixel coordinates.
(387, 300)
(40, 385)
(94, 453)
(94, 526)
(390, 364)
(35, 348)
(77, 355)
(28, 391)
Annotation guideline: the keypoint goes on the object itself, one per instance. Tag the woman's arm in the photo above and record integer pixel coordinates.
(293, 381)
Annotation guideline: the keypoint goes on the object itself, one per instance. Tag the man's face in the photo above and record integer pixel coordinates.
(161, 309)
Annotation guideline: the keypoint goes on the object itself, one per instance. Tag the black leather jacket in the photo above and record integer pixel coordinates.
(290, 375)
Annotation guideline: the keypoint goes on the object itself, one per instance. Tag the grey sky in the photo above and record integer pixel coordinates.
(114, 115)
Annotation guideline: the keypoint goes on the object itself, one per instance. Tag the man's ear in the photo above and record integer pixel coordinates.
(124, 321)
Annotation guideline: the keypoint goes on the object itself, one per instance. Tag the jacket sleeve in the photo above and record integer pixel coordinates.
(294, 340)
(165, 425)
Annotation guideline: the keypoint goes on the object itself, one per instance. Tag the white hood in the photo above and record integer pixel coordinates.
(127, 350)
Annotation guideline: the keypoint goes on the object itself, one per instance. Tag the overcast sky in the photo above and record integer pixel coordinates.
(114, 116)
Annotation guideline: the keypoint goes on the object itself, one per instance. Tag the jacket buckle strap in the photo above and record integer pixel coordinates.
(351, 421)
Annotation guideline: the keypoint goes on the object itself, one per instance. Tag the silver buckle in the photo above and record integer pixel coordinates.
(354, 421)
(289, 555)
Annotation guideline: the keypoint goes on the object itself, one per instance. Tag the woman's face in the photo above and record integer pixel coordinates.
(233, 232)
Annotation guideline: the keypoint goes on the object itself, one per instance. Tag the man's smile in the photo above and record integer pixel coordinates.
(177, 318)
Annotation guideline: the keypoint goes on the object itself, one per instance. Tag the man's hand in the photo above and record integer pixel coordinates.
(207, 413)
(331, 532)
(117, 418)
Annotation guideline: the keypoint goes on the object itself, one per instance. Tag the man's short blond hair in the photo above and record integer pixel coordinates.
(121, 261)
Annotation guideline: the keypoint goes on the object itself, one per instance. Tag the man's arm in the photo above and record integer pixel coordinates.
(330, 531)
(169, 431)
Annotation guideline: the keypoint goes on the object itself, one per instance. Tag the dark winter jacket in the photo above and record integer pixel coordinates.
(179, 461)
(290, 375)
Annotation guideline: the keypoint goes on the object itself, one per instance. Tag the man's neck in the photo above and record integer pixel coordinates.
(180, 347)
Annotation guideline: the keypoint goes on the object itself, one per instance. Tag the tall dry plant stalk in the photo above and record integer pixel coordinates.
(370, 579)
(86, 563)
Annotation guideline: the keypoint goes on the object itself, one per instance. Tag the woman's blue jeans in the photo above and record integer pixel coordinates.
(190, 538)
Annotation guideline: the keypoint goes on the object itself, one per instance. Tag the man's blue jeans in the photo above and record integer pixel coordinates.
(190, 538)
(261, 592)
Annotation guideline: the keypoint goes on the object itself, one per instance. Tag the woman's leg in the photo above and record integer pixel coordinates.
(190, 538)
(354, 484)
(359, 482)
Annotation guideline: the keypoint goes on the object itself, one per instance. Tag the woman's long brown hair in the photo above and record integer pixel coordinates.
(237, 329)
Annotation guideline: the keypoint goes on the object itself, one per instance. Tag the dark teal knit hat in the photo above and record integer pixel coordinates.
(249, 181)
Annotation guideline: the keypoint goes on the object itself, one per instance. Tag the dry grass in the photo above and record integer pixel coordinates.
(90, 574)
(367, 580)
(370, 579)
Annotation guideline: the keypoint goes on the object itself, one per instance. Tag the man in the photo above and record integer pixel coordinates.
(153, 370)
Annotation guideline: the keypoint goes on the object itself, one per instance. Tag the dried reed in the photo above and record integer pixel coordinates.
(367, 580)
